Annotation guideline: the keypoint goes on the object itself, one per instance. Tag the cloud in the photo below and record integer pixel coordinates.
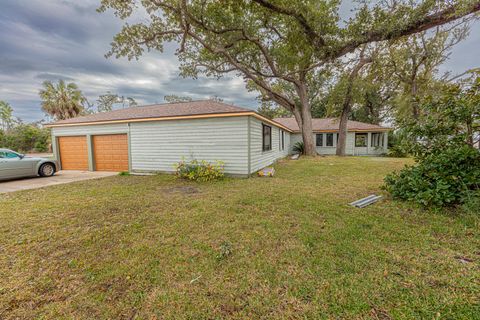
(67, 39)
(60, 39)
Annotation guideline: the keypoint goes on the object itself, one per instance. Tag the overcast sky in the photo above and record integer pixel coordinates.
(67, 39)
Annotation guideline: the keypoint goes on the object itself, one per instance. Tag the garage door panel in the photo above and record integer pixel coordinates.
(73, 152)
(110, 152)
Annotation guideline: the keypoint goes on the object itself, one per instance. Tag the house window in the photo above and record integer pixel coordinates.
(283, 139)
(319, 138)
(377, 139)
(267, 137)
(361, 139)
(329, 140)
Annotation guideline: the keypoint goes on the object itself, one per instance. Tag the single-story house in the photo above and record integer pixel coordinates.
(154, 138)
(362, 138)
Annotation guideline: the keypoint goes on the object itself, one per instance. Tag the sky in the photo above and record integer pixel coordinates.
(68, 39)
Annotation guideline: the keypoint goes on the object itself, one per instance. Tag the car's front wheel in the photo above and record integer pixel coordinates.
(47, 170)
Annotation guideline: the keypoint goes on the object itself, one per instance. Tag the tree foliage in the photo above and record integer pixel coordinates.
(6, 115)
(175, 98)
(277, 46)
(442, 140)
(62, 101)
(26, 138)
(271, 111)
(107, 102)
(414, 63)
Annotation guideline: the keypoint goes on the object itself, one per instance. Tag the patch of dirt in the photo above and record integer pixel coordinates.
(182, 190)
(463, 259)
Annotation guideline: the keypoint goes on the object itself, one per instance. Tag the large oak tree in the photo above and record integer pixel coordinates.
(278, 45)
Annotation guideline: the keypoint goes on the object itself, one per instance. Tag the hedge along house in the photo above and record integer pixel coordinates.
(362, 138)
(154, 138)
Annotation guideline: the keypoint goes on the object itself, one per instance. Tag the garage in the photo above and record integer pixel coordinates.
(110, 152)
(73, 152)
(155, 138)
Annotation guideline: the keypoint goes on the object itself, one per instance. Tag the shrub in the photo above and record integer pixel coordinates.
(26, 138)
(396, 144)
(200, 170)
(299, 147)
(444, 178)
(396, 152)
(441, 139)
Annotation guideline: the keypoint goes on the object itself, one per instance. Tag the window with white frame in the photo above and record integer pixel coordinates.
(361, 139)
(266, 137)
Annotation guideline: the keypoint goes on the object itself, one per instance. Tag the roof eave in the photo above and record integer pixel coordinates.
(199, 116)
(349, 130)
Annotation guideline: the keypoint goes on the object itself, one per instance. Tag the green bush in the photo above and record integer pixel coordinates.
(443, 178)
(200, 170)
(299, 147)
(26, 138)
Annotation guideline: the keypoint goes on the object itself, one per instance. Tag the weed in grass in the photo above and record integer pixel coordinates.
(225, 250)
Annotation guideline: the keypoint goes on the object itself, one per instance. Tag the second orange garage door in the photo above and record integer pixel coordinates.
(110, 152)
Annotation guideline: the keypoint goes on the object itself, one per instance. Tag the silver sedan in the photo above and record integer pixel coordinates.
(15, 165)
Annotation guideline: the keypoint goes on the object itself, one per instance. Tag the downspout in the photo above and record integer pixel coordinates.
(129, 149)
(90, 151)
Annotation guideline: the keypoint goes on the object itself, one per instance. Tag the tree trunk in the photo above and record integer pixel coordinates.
(305, 123)
(415, 112)
(470, 141)
(307, 133)
(304, 120)
(342, 130)
(347, 106)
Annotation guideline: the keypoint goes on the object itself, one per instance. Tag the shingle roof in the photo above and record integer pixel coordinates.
(190, 108)
(330, 124)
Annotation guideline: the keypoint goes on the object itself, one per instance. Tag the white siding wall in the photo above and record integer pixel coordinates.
(259, 158)
(93, 129)
(157, 146)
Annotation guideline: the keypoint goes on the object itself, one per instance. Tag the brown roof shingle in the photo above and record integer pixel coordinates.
(190, 108)
(330, 124)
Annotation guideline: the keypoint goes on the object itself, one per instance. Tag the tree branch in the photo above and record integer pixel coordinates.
(436, 19)
(309, 31)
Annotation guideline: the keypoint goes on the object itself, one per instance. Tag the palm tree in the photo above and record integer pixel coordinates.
(62, 101)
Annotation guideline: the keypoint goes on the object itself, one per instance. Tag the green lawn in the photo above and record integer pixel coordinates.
(152, 247)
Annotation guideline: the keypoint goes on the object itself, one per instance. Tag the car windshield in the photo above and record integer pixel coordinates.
(8, 155)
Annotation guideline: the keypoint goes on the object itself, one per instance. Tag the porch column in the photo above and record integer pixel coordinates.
(385, 141)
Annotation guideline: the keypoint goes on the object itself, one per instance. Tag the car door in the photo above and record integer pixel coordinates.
(13, 165)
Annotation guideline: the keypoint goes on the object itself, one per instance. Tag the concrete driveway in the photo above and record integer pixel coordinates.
(59, 178)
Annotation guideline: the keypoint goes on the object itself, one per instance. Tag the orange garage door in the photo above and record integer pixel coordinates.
(110, 152)
(73, 153)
